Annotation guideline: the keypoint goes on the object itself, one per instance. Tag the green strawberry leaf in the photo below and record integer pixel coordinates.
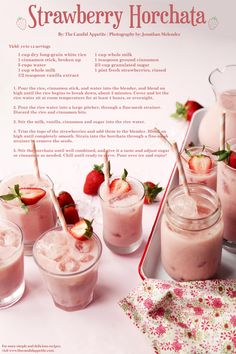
(8, 197)
(124, 175)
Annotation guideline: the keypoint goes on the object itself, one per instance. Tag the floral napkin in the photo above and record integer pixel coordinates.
(188, 318)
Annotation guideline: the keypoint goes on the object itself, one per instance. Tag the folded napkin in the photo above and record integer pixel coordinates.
(188, 318)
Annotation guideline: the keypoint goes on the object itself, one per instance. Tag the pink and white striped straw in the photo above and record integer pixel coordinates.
(58, 210)
(222, 132)
(106, 169)
(180, 168)
(36, 165)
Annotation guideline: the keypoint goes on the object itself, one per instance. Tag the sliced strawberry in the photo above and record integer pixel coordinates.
(151, 191)
(82, 230)
(120, 186)
(200, 163)
(64, 198)
(93, 180)
(232, 159)
(71, 214)
(30, 196)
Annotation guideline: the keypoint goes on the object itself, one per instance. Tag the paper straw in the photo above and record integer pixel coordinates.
(180, 168)
(36, 165)
(169, 143)
(106, 169)
(222, 132)
(58, 210)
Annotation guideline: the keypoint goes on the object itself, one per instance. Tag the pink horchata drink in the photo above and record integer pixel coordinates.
(122, 215)
(226, 189)
(12, 283)
(200, 166)
(69, 267)
(192, 234)
(36, 218)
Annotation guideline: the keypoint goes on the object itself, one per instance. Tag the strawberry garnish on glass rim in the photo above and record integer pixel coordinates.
(199, 163)
(120, 186)
(82, 230)
(26, 196)
(228, 155)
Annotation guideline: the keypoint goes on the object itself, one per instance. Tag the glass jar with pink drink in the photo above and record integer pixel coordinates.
(226, 189)
(223, 83)
(192, 233)
(69, 266)
(122, 207)
(12, 282)
(24, 200)
(200, 166)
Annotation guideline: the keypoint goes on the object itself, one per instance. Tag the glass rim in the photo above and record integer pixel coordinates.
(33, 206)
(187, 220)
(125, 206)
(16, 227)
(67, 274)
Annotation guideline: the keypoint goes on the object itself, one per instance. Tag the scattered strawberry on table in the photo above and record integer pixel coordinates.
(228, 155)
(68, 207)
(151, 192)
(93, 180)
(26, 196)
(120, 185)
(82, 230)
(199, 163)
(186, 111)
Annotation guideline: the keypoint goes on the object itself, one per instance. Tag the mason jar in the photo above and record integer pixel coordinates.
(191, 237)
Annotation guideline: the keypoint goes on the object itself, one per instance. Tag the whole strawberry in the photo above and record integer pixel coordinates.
(71, 214)
(93, 180)
(186, 111)
(151, 192)
(64, 198)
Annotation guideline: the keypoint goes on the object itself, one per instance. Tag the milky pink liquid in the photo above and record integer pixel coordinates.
(11, 264)
(122, 218)
(209, 130)
(40, 216)
(191, 255)
(226, 189)
(69, 267)
(209, 178)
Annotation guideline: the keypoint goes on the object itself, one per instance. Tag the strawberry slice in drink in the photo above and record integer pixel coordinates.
(82, 230)
(119, 186)
(30, 196)
(200, 163)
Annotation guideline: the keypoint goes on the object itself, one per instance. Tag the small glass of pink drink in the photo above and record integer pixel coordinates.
(33, 212)
(69, 267)
(12, 282)
(192, 234)
(122, 207)
(226, 189)
(200, 166)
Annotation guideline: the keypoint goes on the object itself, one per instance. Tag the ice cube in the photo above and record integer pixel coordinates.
(51, 250)
(87, 258)
(84, 246)
(11, 239)
(68, 265)
(186, 207)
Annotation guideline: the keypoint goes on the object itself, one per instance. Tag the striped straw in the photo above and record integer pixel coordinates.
(168, 142)
(222, 132)
(180, 168)
(36, 165)
(58, 210)
(106, 169)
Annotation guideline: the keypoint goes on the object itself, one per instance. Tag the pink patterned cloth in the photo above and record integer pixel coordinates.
(186, 318)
